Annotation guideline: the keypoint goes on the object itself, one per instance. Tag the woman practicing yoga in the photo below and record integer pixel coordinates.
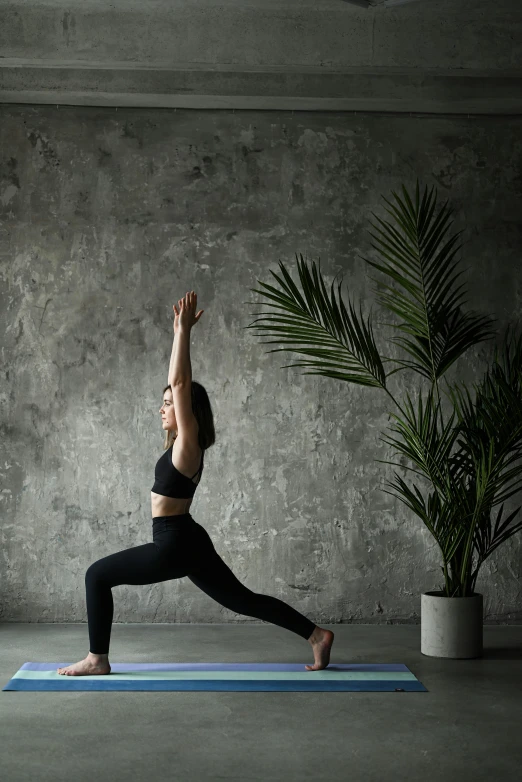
(180, 546)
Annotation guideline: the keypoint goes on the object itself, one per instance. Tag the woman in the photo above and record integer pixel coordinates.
(180, 546)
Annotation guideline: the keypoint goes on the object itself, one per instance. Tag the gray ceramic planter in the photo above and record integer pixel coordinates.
(451, 626)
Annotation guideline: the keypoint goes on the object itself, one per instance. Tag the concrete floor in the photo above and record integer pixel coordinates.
(467, 727)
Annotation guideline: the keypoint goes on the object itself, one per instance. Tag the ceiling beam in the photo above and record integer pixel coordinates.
(300, 88)
(301, 55)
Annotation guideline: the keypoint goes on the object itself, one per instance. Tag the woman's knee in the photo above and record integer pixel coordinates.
(96, 572)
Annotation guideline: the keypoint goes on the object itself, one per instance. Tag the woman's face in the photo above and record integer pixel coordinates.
(168, 416)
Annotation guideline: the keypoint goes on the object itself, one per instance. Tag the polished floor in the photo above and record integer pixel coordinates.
(466, 727)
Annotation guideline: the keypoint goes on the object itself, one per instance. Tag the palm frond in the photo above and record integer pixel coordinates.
(315, 318)
(430, 313)
(422, 442)
(438, 516)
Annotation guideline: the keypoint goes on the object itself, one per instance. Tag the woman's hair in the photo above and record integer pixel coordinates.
(203, 412)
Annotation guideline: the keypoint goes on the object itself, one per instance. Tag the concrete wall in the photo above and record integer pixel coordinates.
(107, 217)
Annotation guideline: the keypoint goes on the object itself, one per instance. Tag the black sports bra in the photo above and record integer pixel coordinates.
(170, 482)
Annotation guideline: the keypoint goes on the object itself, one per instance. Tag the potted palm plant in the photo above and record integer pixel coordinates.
(470, 461)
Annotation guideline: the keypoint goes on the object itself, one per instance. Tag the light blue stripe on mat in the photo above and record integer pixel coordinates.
(249, 677)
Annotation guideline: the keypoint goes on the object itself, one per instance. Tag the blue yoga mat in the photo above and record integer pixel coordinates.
(210, 677)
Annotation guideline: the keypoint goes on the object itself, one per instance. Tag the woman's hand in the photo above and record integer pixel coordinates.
(186, 317)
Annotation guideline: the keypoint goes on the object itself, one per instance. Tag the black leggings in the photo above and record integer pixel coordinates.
(181, 547)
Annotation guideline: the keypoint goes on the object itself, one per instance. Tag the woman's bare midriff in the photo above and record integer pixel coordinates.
(187, 462)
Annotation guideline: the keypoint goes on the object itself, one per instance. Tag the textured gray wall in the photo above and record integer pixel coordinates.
(108, 217)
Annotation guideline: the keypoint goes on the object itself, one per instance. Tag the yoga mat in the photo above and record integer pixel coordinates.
(211, 677)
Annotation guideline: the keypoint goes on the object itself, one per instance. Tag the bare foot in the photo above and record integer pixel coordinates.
(321, 641)
(87, 667)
